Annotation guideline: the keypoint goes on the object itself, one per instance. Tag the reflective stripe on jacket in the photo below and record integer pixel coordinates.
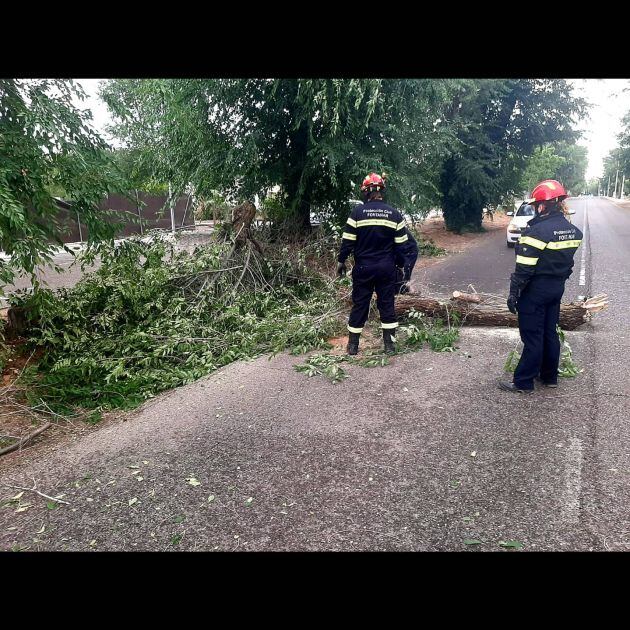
(374, 233)
(545, 249)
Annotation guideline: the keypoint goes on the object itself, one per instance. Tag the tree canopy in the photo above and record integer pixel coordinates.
(617, 162)
(499, 124)
(564, 162)
(47, 148)
(460, 144)
(314, 138)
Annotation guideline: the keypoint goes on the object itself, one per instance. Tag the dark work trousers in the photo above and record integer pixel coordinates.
(365, 280)
(538, 315)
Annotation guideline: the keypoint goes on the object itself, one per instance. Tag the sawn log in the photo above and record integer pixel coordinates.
(492, 310)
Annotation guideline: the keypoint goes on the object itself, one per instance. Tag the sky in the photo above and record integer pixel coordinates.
(609, 104)
(100, 114)
(607, 96)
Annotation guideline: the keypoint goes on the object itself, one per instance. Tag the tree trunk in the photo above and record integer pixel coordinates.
(20, 322)
(454, 217)
(474, 215)
(298, 192)
(490, 311)
(304, 215)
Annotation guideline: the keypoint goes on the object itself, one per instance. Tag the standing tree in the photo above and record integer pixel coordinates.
(542, 164)
(499, 124)
(572, 172)
(624, 150)
(314, 138)
(47, 147)
(565, 162)
(615, 165)
(593, 186)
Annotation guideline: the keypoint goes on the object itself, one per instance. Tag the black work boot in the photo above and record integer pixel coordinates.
(510, 387)
(546, 384)
(353, 343)
(389, 339)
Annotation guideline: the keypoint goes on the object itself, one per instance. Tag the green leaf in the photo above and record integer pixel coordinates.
(513, 544)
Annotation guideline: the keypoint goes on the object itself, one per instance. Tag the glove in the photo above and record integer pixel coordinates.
(512, 303)
(404, 288)
(341, 269)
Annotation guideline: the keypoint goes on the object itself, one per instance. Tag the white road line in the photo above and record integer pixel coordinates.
(573, 482)
(583, 260)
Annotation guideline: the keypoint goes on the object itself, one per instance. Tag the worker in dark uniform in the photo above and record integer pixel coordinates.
(544, 261)
(405, 264)
(374, 233)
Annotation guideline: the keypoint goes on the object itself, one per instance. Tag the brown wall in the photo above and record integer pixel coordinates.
(148, 212)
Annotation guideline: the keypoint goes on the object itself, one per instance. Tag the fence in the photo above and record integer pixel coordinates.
(140, 213)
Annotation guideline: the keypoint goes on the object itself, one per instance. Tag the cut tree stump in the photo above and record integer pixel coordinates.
(18, 322)
(490, 310)
(242, 217)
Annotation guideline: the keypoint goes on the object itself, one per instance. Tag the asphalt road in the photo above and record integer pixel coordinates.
(423, 454)
(602, 265)
(487, 265)
(71, 273)
(606, 440)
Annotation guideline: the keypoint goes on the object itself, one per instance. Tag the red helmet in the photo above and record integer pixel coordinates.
(373, 182)
(547, 190)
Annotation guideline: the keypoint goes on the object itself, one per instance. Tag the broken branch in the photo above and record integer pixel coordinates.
(23, 441)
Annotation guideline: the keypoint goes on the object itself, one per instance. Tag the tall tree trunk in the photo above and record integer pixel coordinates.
(299, 200)
(304, 215)
(453, 211)
(474, 213)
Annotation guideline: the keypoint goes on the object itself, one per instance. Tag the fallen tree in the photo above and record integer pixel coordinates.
(482, 309)
(151, 318)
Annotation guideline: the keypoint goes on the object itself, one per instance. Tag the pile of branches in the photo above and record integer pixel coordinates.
(152, 318)
(484, 309)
